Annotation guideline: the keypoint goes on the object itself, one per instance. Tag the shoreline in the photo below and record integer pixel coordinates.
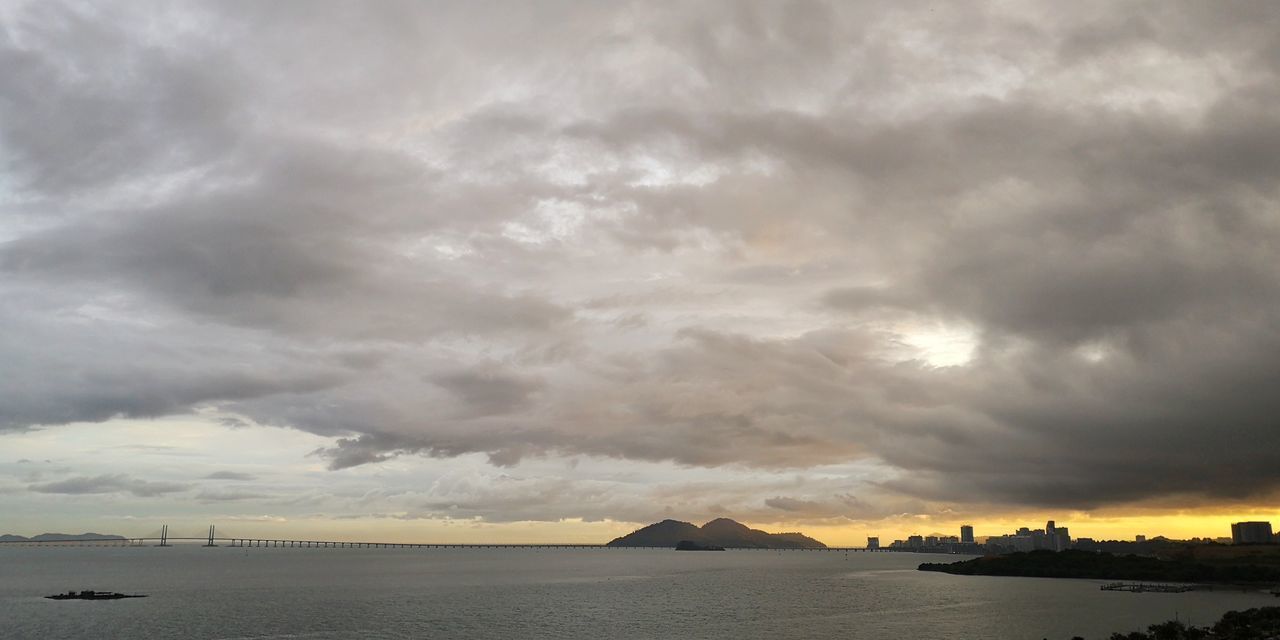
(1100, 566)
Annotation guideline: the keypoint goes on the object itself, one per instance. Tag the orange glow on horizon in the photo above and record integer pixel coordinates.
(1082, 525)
(1098, 527)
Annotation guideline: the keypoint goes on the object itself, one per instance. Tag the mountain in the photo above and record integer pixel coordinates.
(60, 537)
(721, 532)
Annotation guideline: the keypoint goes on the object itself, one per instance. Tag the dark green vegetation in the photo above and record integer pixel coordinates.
(1259, 555)
(1084, 564)
(60, 537)
(721, 532)
(1253, 624)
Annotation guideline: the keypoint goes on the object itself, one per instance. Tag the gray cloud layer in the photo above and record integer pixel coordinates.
(713, 235)
(112, 483)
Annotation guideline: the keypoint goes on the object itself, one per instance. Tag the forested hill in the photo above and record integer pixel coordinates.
(721, 532)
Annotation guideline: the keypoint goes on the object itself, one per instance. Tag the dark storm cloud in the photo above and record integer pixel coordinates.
(726, 235)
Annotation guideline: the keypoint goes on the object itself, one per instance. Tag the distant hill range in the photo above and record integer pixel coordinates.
(60, 537)
(721, 532)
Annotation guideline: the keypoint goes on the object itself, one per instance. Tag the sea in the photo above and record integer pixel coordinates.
(297, 593)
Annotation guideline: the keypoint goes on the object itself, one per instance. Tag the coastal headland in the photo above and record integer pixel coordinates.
(1106, 566)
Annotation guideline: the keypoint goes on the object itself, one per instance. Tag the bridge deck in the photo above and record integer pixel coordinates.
(346, 544)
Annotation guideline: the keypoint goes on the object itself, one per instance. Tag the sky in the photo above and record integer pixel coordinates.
(501, 271)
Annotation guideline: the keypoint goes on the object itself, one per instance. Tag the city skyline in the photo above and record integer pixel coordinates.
(1245, 532)
(550, 271)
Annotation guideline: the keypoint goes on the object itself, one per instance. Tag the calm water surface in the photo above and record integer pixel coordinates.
(502, 593)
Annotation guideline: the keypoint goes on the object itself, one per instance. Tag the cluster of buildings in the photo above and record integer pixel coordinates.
(1052, 538)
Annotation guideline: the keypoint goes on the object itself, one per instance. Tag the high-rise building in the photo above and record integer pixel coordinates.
(1063, 540)
(873, 542)
(1139, 538)
(1251, 533)
(966, 533)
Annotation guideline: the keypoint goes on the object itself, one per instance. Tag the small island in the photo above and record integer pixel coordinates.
(89, 594)
(689, 545)
(721, 532)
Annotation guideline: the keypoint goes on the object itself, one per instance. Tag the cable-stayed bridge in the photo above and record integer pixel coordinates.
(161, 538)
